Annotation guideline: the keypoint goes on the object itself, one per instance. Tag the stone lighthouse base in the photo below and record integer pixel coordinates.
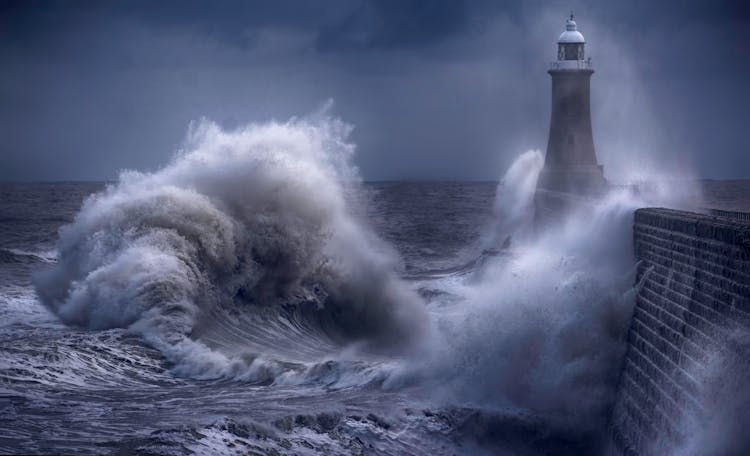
(551, 207)
(561, 191)
(585, 180)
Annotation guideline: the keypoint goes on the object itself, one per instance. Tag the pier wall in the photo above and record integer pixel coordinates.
(695, 275)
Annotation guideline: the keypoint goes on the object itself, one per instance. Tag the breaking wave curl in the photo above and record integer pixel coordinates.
(241, 257)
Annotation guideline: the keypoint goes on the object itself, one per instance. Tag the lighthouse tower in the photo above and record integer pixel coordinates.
(570, 164)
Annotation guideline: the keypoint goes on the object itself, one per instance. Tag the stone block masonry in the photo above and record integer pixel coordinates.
(694, 272)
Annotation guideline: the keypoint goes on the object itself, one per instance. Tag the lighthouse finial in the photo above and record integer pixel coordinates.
(570, 24)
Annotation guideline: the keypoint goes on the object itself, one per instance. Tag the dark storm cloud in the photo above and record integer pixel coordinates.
(435, 89)
(389, 24)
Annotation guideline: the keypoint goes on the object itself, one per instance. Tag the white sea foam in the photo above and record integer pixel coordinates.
(541, 326)
(246, 219)
(205, 257)
(514, 201)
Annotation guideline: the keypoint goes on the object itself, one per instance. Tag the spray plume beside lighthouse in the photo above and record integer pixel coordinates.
(570, 164)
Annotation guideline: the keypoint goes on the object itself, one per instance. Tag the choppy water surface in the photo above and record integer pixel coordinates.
(254, 297)
(69, 390)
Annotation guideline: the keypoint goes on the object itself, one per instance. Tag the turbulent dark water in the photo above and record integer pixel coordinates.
(246, 303)
(79, 391)
(68, 390)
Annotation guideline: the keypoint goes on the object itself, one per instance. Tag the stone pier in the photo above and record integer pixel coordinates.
(695, 273)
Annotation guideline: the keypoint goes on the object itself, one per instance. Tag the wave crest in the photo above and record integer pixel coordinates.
(238, 221)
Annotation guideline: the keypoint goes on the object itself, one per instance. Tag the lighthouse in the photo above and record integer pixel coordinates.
(570, 164)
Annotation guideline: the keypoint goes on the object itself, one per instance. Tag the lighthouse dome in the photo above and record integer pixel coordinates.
(571, 33)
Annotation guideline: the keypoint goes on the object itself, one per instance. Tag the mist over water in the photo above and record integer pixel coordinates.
(246, 260)
(540, 326)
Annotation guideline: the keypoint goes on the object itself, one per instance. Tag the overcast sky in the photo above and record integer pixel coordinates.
(435, 89)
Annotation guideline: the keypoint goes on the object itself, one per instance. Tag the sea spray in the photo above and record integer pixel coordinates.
(719, 425)
(540, 327)
(513, 209)
(239, 221)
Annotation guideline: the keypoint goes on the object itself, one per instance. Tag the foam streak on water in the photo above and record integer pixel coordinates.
(254, 295)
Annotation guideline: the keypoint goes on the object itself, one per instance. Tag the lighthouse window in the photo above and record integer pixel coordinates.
(570, 51)
(571, 141)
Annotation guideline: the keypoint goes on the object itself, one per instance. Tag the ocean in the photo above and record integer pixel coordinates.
(246, 303)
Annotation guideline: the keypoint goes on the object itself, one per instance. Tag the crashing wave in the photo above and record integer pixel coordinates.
(239, 222)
